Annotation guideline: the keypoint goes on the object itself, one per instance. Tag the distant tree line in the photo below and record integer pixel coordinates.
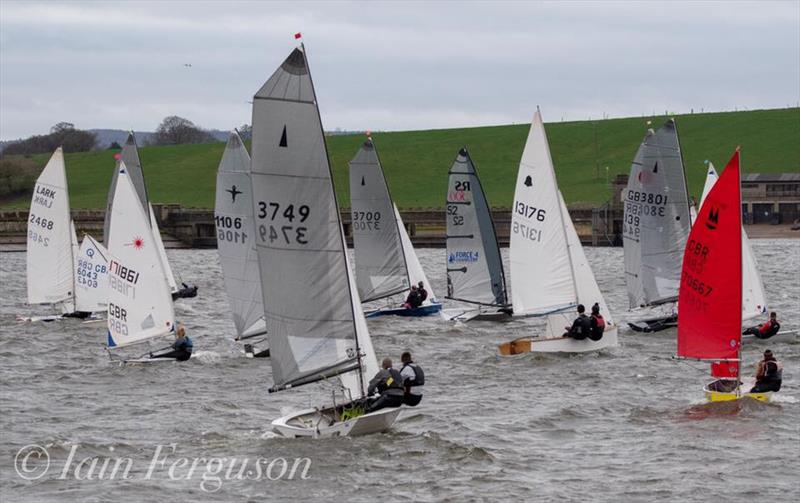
(17, 176)
(62, 134)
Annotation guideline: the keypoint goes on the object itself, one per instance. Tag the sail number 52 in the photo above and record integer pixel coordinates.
(289, 232)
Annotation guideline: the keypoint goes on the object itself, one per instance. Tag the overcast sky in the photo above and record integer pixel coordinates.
(391, 65)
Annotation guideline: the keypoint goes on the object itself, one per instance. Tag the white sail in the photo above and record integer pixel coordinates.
(754, 298)
(91, 276)
(233, 215)
(380, 264)
(130, 157)
(415, 271)
(541, 273)
(309, 310)
(139, 301)
(50, 254)
(162, 253)
(587, 290)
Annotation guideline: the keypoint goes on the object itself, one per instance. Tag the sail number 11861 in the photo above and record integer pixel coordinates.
(283, 219)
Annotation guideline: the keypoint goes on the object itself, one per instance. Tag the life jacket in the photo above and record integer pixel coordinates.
(183, 344)
(392, 382)
(581, 327)
(423, 294)
(769, 328)
(419, 375)
(598, 327)
(776, 374)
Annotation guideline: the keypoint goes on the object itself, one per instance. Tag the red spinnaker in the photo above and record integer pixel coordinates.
(710, 296)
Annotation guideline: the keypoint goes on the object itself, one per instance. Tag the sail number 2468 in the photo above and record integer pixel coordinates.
(283, 220)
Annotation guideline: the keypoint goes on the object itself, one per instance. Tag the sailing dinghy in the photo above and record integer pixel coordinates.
(233, 216)
(139, 302)
(56, 271)
(710, 296)
(550, 275)
(655, 227)
(386, 263)
(474, 266)
(130, 157)
(315, 325)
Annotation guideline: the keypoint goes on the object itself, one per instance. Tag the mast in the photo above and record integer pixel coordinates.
(339, 220)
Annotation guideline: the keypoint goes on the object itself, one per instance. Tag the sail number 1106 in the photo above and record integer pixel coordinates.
(283, 219)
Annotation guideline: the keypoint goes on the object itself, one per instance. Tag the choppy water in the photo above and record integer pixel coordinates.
(627, 424)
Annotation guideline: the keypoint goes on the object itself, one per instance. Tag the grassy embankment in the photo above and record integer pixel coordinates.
(416, 162)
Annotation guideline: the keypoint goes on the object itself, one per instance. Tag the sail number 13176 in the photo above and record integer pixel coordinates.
(283, 219)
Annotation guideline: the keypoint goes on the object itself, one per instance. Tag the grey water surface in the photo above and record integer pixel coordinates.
(628, 424)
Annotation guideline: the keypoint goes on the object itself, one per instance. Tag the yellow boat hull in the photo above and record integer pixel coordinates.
(727, 396)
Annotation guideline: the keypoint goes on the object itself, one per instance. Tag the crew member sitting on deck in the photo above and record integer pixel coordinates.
(769, 374)
(389, 383)
(598, 323)
(423, 294)
(181, 348)
(413, 380)
(413, 300)
(581, 327)
(767, 329)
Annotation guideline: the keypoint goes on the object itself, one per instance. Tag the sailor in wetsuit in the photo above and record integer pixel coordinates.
(767, 329)
(598, 323)
(769, 374)
(181, 348)
(423, 294)
(581, 327)
(389, 383)
(413, 300)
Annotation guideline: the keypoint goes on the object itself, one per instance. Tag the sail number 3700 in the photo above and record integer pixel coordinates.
(283, 220)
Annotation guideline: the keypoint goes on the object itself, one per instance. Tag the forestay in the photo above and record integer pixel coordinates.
(51, 235)
(540, 265)
(309, 307)
(656, 219)
(474, 265)
(130, 157)
(754, 298)
(380, 262)
(139, 301)
(91, 276)
(233, 215)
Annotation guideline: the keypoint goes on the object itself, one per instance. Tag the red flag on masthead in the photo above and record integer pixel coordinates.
(298, 36)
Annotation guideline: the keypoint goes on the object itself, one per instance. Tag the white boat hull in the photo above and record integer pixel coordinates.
(313, 423)
(558, 344)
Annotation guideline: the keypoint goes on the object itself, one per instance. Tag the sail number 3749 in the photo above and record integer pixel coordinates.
(283, 220)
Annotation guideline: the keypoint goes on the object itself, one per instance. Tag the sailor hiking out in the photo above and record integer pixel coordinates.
(389, 384)
(413, 380)
(181, 348)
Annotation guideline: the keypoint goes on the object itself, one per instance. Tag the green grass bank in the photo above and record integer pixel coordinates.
(416, 162)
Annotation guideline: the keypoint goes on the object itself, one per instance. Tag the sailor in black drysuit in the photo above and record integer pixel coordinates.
(413, 380)
(414, 300)
(389, 383)
(181, 348)
(769, 374)
(423, 294)
(598, 323)
(765, 330)
(581, 327)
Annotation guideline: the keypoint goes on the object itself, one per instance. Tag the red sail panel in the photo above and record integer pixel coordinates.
(710, 296)
(725, 369)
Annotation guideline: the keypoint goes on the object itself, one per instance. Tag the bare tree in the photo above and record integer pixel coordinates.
(175, 130)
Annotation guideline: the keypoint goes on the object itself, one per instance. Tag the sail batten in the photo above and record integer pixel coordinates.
(474, 265)
(656, 219)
